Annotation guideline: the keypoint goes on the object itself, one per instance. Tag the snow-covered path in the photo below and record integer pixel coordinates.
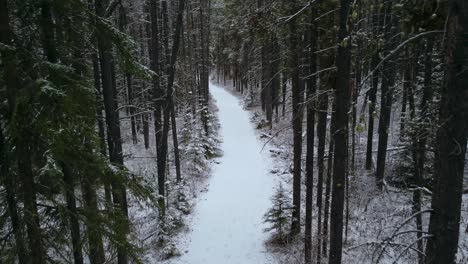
(227, 227)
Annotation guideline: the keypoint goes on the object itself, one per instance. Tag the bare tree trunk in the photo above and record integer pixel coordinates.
(297, 117)
(91, 212)
(72, 212)
(321, 135)
(311, 92)
(343, 63)
(419, 149)
(158, 98)
(376, 23)
(8, 181)
(171, 76)
(388, 81)
(451, 141)
(114, 139)
(284, 82)
(11, 81)
(328, 183)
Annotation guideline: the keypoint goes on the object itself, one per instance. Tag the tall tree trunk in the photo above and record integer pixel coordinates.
(297, 116)
(114, 139)
(451, 141)
(31, 215)
(311, 90)
(132, 108)
(376, 23)
(388, 81)
(123, 22)
(420, 147)
(11, 81)
(284, 82)
(321, 135)
(91, 212)
(72, 212)
(175, 143)
(158, 99)
(328, 183)
(8, 181)
(343, 62)
(145, 94)
(99, 106)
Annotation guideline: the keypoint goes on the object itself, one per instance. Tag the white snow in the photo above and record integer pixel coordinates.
(228, 222)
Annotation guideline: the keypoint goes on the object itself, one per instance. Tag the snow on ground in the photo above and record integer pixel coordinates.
(227, 226)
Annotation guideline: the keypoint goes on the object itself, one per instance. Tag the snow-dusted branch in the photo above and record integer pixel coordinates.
(396, 50)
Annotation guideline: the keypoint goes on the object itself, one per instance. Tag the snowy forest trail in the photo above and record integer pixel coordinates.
(228, 226)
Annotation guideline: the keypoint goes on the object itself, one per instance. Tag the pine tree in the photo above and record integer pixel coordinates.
(278, 216)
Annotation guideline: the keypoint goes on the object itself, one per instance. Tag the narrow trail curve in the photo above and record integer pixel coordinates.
(227, 226)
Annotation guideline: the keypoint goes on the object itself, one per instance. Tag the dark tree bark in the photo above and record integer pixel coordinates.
(11, 81)
(49, 47)
(406, 88)
(130, 100)
(91, 212)
(170, 85)
(343, 63)
(376, 23)
(451, 141)
(420, 147)
(31, 216)
(48, 32)
(8, 181)
(123, 21)
(328, 183)
(99, 105)
(114, 140)
(274, 75)
(158, 99)
(144, 116)
(321, 135)
(311, 90)
(166, 112)
(284, 82)
(72, 212)
(386, 96)
(297, 116)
